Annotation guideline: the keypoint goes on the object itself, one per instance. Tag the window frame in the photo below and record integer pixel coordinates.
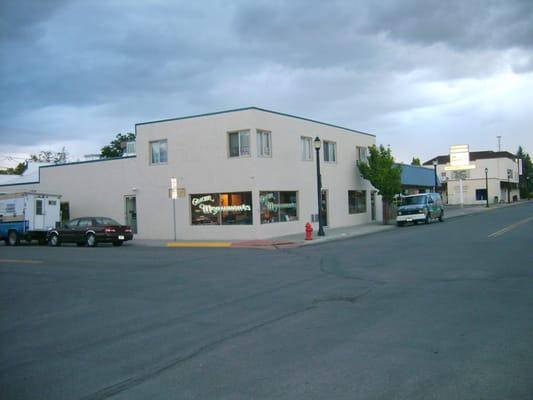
(218, 218)
(277, 205)
(310, 140)
(328, 143)
(358, 150)
(151, 153)
(39, 210)
(356, 209)
(260, 134)
(239, 133)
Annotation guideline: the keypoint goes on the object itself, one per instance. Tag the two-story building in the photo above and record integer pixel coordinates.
(501, 178)
(240, 174)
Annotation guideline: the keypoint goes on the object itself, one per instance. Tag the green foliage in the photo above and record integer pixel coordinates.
(527, 171)
(59, 157)
(117, 146)
(382, 172)
(415, 161)
(18, 170)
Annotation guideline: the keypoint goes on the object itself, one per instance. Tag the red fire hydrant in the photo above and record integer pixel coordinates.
(308, 231)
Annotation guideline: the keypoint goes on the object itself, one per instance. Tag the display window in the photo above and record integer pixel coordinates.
(356, 201)
(278, 206)
(221, 208)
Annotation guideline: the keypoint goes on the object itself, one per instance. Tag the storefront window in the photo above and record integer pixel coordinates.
(278, 207)
(356, 201)
(221, 208)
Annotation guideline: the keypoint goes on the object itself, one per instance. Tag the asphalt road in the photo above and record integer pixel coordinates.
(439, 311)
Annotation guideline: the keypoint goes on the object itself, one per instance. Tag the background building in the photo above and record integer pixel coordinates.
(417, 179)
(502, 174)
(239, 174)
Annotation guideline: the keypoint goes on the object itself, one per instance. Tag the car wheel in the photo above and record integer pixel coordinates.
(119, 243)
(441, 216)
(91, 240)
(13, 238)
(428, 218)
(53, 240)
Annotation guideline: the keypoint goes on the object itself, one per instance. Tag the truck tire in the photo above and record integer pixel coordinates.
(13, 238)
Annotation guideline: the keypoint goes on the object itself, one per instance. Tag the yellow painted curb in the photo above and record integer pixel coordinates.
(199, 244)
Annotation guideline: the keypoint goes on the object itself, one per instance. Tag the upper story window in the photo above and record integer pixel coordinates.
(330, 151)
(158, 152)
(239, 144)
(306, 144)
(264, 143)
(361, 154)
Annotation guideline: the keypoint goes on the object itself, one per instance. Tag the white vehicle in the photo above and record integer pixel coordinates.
(28, 216)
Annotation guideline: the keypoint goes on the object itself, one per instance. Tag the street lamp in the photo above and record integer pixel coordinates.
(487, 185)
(317, 144)
(527, 186)
(509, 172)
(435, 162)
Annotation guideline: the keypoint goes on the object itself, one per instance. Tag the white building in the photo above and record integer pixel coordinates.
(241, 174)
(502, 178)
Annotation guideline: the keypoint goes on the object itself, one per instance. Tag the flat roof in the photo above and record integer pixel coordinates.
(256, 109)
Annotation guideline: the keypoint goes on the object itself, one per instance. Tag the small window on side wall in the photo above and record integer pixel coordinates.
(356, 201)
(361, 153)
(239, 144)
(330, 151)
(306, 148)
(158, 152)
(264, 143)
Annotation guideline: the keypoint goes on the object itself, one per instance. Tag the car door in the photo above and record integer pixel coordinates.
(66, 233)
(81, 230)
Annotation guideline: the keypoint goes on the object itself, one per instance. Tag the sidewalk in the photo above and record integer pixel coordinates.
(297, 240)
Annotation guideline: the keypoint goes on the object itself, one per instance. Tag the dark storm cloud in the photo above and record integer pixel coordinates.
(65, 63)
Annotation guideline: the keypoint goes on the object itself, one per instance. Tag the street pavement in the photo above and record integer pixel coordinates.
(438, 311)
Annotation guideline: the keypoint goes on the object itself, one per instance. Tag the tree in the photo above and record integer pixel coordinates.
(383, 174)
(527, 171)
(59, 157)
(415, 161)
(117, 146)
(18, 170)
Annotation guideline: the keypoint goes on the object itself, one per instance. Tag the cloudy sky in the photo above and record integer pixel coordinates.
(420, 74)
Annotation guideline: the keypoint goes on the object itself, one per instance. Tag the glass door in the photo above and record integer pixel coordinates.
(131, 212)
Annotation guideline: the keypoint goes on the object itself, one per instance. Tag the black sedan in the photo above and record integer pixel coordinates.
(90, 231)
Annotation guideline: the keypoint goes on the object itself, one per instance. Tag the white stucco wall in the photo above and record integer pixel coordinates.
(198, 158)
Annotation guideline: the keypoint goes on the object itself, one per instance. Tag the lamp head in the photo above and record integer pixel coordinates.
(317, 143)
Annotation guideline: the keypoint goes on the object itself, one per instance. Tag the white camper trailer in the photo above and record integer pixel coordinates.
(28, 216)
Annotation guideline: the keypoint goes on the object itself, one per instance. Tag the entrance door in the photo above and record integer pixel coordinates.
(324, 206)
(373, 204)
(131, 212)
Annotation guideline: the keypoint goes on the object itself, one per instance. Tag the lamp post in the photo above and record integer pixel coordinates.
(527, 186)
(487, 186)
(509, 172)
(317, 144)
(435, 162)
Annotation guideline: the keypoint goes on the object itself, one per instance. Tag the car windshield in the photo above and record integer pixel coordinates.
(105, 221)
(413, 200)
